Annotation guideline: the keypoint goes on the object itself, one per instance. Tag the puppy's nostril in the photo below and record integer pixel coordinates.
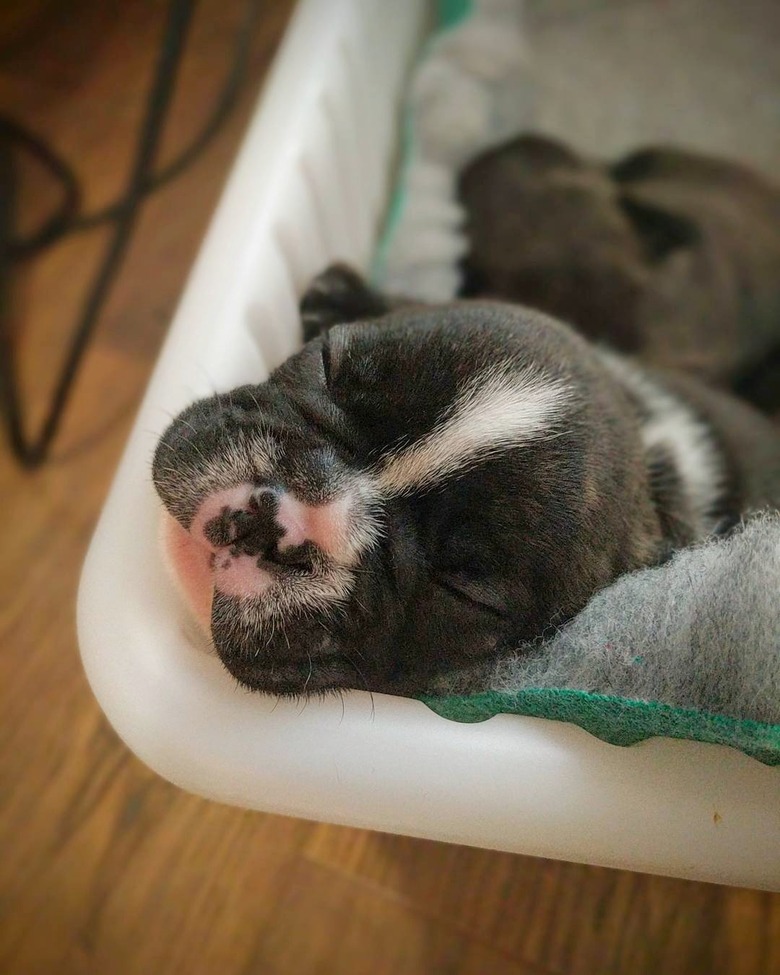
(266, 525)
(221, 529)
(252, 530)
(302, 557)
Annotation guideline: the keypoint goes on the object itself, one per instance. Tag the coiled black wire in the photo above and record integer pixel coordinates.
(31, 451)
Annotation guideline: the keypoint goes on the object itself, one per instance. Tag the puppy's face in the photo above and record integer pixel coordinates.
(401, 498)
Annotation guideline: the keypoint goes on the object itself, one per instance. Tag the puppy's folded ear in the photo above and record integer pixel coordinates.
(661, 231)
(338, 296)
(642, 164)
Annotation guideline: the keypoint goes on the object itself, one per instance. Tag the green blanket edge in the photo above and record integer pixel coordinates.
(616, 720)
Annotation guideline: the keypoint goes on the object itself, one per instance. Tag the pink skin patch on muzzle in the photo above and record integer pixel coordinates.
(201, 566)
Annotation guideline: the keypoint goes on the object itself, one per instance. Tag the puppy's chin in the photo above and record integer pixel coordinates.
(291, 679)
(290, 653)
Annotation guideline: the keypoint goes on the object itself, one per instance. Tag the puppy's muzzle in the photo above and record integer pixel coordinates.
(254, 532)
(263, 527)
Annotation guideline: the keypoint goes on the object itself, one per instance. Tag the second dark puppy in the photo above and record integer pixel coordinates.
(669, 255)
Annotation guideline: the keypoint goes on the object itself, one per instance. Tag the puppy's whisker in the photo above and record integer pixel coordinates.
(311, 669)
(366, 685)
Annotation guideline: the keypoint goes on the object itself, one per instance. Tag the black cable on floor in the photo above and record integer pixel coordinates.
(32, 451)
(14, 136)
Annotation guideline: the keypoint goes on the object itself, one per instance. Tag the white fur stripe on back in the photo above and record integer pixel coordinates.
(500, 410)
(673, 425)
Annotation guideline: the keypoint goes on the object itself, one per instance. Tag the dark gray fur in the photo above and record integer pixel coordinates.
(500, 554)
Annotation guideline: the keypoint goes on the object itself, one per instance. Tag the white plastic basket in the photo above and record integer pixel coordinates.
(310, 185)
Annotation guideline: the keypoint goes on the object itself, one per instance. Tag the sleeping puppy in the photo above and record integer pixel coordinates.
(670, 255)
(419, 489)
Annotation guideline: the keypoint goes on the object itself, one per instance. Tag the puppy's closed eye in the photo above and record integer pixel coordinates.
(482, 593)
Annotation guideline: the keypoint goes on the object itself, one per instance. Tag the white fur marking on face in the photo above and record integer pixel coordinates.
(673, 425)
(500, 410)
(343, 528)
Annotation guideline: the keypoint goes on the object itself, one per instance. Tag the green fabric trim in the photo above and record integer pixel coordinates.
(450, 14)
(397, 203)
(616, 720)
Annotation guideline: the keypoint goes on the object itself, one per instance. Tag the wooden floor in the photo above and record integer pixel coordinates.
(104, 867)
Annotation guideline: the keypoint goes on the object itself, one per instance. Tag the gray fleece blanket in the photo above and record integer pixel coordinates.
(701, 632)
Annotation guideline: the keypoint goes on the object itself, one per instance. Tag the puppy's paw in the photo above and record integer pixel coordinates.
(337, 296)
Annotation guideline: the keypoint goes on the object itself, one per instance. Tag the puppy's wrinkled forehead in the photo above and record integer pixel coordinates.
(364, 391)
(403, 373)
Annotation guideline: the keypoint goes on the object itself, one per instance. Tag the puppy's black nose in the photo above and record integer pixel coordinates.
(252, 530)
